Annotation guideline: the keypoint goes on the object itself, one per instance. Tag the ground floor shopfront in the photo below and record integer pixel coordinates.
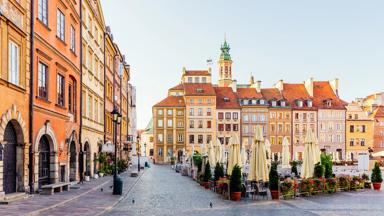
(92, 141)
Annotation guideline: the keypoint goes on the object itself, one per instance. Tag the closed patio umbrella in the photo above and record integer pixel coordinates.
(234, 154)
(285, 153)
(258, 163)
(211, 154)
(243, 156)
(218, 151)
(311, 155)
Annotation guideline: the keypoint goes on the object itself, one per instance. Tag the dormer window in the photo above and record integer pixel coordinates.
(299, 103)
(282, 103)
(253, 102)
(245, 102)
(261, 101)
(189, 79)
(200, 90)
(197, 79)
(226, 99)
(273, 103)
(309, 103)
(328, 103)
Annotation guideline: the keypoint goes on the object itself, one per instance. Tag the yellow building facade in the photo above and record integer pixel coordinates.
(359, 131)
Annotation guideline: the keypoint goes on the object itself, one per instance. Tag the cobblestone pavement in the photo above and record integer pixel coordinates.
(87, 200)
(161, 191)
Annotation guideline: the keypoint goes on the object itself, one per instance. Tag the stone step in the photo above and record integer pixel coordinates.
(8, 198)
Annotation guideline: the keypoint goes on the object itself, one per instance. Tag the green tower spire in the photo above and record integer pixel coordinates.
(225, 51)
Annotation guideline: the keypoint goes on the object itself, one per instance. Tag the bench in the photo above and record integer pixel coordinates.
(53, 188)
(134, 174)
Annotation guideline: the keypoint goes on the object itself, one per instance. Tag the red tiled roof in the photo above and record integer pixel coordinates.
(293, 92)
(249, 93)
(196, 89)
(197, 73)
(226, 92)
(171, 101)
(178, 87)
(271, 94)
(379, 112)
(323, 91)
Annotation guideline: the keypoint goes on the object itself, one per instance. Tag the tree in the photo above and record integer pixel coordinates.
(274, 177)
(376, 176)
(235, 181)
(207, 173)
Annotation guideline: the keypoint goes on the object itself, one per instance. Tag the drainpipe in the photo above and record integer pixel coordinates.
(104, 93)
(81, 91)
(31, 62)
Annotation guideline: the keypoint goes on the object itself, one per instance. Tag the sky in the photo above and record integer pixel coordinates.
(279, 39)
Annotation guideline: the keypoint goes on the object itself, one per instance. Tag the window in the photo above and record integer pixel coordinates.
(60, 90)
(272, 140)
(169, 112)
(14, 63)
(160, 112)
(273, 103)
(245, 118)
(304, 116)
(191, 124)
(209, 101)
(42, 81)
(280, 140)
(312, 117)
(160, 138)
(235, 115)
(180, 124)
(272, 115)
(90, 106)
(209, 111)
(199, 111)
(299, 103)
(351, 142)
(297, 116)
(191, 111)
(209, 138)
(273, 128)
(191, 101)
(200, 139)
(73, 39)
(309, 103)
(221, 127)
(254, 118)
(221, 139)
(169, 138)
(362, 142)
(200, 101)
(287, 128)
(179, 113)
(191, 139)
(227, 115)
(204, 79)
(221, 115)
(363, 128)
(227, 140)
(200, 124)
(282, 103)
(190, 79)
(72, 97)
(180, 137)
(351, 128)
(246, 129)
(43, 11)
(169, 123)
(96, 107)
(280, 128)
(235, 127)
(197, 79)
(160, 123)
(262, 117)
(160, 153)
(228, 127)
(209, 124)
(60, 25)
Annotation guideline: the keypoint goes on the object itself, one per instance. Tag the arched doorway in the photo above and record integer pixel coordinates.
(44, 161)
(87, 152)
(72, 161)
(180, 156)
(10, 139)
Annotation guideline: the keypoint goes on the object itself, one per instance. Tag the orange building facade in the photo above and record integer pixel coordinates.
(56, 92)
(15, 97)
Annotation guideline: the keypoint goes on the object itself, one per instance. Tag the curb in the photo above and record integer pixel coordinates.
(123, 197)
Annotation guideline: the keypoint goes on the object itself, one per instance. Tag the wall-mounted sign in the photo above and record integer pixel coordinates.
(108, 147)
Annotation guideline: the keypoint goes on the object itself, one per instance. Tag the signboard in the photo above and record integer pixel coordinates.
(363, 162)
(108, 147)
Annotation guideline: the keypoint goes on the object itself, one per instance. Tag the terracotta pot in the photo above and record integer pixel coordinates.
(275, 194)
(376, 186)
(235, 196)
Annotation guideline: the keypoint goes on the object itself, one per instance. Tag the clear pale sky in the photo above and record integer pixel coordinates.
(280, 39)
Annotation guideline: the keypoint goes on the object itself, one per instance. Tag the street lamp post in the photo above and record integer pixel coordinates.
(138, 153)
(145, 149)
(116, 120)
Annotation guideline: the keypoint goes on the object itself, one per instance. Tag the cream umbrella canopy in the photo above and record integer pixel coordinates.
(258, 163)
(218, 151)
(211, 153)
(285, 153)
(243, 156)
(311, 155)
(234, 154)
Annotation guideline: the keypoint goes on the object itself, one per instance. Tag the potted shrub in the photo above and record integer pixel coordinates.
(319, 171)
(235, 183)
(331, 185)
(344, 182)
(305, 186)
(173, 160)
(274, 181)
(294, 168)
(376, 177)
(357, 183)
(219, 172)
(207, 176)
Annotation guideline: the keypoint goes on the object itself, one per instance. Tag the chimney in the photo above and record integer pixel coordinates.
(279, 85)
(184, 70)
(209, 70)
(234, 85)
(335, 85)
(309, 86)
(258, 86)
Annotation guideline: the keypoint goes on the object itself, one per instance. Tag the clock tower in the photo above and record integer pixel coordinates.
(225, 66)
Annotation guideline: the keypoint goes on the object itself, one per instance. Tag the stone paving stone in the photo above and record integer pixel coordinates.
(161, 191)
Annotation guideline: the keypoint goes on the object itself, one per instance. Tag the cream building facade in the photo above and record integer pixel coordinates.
(93, 82)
